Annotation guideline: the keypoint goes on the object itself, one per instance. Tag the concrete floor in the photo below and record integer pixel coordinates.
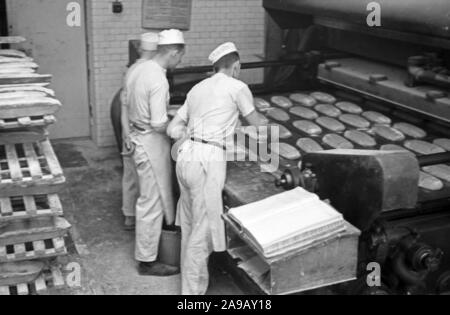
(92, 203)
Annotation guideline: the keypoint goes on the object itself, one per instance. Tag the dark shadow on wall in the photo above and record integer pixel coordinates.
(3, 20)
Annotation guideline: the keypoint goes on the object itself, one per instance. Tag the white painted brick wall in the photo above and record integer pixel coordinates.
(213, 22)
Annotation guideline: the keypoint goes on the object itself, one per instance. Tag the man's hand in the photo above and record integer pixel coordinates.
(129, 145)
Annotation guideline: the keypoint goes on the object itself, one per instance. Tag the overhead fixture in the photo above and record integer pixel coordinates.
(117, 7)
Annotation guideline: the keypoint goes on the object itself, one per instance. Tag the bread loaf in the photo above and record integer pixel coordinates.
(308, 145)
(443, 143)
(308, 127)
(278, 115)
(286, 151)
(440, 171)
(284, 133)
(304, 112)
(21, 94)
(355, 121)
(303, 99)
(337, 142)
(360, 138)
(430, 182)
(377, 118)
(393, 147)
(330, 124)
(328, 110)
(24, 88)
(263, 119)
(423, 147)
(388, 133)
(261, 104)
(350, 108)
(411, 130)
(12, 53)
(282, 102)
(324, 98)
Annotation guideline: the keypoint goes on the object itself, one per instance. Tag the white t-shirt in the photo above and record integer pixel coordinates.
(148, 95)
(212, 108)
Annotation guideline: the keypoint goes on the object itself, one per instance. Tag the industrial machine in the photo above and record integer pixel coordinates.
(399, 69)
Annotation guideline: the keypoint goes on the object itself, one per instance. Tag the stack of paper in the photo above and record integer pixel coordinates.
(287, 222)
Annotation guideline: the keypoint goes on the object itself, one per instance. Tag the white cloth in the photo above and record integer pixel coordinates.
(222, 51)
(199, 213)
(149, 41)
(171, 37)
(148, 95)
(212, 108)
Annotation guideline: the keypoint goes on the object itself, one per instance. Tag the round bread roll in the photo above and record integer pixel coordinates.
(307, 127)
(284, 133)
(360, 138)
(355, 121)
(303, 99)
(430, 182)
(286, 151)
(377, 118)
(411, 130)
(443, 143)
(304, 112)
(337, 142)
(278, 114)
(308, 145)
(423, 147)
(350, 108)
(388, 133)
(328, 110)
(330, 124)
(324, 98)
(282, 102)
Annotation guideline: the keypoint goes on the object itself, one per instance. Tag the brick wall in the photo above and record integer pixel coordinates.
(213, 22)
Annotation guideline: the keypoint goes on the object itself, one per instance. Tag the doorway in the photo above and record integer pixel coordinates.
(3, 19)
(61, 50)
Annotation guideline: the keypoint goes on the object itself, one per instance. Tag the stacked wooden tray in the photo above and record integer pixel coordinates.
(32, 230)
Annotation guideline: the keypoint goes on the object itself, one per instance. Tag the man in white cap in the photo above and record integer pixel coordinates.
(206, 121)
(130, 180)
(148, 102)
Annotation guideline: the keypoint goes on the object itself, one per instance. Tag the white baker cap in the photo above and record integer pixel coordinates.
(149, 41)
(171, 37)
(222, 51)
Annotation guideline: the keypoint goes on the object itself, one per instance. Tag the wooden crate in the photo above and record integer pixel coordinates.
(27, 207)
(29, 169)
(33, 250)
(27, 122)
(52, 278)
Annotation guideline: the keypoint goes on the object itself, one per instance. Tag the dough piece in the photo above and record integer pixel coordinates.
(355, 121)
(430, 182)
(443, 143)
(360, 138)
(337, 142)
(393, 147)
(282, 102)
(388, 133)
(350, 108)
(284, 132)
(278, 115)
(440, 171)
(303, 99)
(377, 118)
(286, 151)
(308, 145)
(330, 124)
(304, 112)
(411, 130)
(423, 147)
(324, 98)
(328, 110)
(308, 127)
(261, 104)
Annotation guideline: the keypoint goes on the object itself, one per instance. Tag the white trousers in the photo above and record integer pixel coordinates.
(130, 187)
(149, 209)
(199, 210)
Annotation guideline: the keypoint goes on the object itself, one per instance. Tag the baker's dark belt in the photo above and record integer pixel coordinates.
(224, 148)
(138, 128)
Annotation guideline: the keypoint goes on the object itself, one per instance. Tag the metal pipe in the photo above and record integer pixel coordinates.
(440, 158)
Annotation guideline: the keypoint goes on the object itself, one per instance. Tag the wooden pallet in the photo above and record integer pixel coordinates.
(35, 121)
(35, 250)
(49, 279)
(29, 169)
(23, 135)
(27, 207)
